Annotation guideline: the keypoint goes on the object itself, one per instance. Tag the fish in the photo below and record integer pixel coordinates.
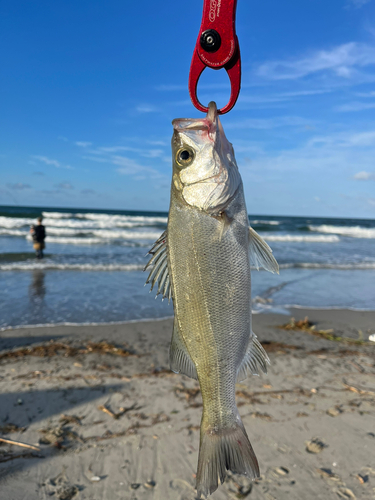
(202, 263)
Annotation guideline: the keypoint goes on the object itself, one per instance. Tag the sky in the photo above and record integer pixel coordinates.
(88, 91)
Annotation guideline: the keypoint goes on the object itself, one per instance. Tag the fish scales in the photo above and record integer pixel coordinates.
(202, 261)
(211, 289)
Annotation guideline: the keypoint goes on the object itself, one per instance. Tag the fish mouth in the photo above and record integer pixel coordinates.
(203, 124)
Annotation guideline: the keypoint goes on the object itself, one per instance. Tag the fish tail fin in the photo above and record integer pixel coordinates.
(221, 450)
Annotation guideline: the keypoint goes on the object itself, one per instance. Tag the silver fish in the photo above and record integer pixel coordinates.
(202, 262)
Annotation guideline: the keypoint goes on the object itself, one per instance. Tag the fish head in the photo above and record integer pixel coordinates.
(205, 171)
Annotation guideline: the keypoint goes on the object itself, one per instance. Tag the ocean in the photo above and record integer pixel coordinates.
(92, 271)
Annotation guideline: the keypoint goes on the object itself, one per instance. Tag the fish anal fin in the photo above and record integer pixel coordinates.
(255, 358)
(261, 253)
(179, 358)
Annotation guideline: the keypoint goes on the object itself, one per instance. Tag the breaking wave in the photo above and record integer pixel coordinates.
(297, 238)
(352, 231)
(109, 219)
(34, 266)
(315, 265)
(266, 222)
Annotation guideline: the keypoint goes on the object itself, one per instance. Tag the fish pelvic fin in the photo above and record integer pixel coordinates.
(261, 253)
(179, 358)
(223, 450)
(254, 358)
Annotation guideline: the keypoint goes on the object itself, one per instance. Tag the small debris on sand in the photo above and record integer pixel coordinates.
(53, 348)
(9, 428)
(150, 484)
(328, 474)
(60, 487)
(303, 324)
(17, 443)
(334, 412)
(282, 471)
(345, 493)
(238, 485)
(121, 411)
(309, 327)
(316, 445)
(70, 419)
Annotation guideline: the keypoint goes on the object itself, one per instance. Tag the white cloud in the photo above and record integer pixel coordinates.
(50, 161)
(357, 3)
(270, 123)
(83, 144)
(147, 108)
(128, 166)
(334, 155)
(345, 140)
(64, 185)
(19, 186)
(364, 176)
(355, 106)
(365, 94)
(342, 60)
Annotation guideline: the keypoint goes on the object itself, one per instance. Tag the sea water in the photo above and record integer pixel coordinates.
(92, 270)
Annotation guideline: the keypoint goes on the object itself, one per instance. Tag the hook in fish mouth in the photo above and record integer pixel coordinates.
(208, 123)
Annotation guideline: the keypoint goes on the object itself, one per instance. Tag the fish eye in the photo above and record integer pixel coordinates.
(184, 156)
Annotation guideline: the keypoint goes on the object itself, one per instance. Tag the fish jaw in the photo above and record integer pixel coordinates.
(211, 179)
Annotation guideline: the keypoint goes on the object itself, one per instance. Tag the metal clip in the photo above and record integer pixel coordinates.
(217, 47)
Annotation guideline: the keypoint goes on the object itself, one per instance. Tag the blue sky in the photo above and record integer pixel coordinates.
(88, 91)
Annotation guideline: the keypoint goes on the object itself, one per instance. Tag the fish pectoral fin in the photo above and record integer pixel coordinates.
(261, 253)
(254, 358)
(179, 358)
(159, 264)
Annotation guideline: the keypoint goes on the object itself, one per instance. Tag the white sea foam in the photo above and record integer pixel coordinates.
(127, 235)
(14, 222)
(352, 231)
(13, 232)
(298, 238)
(269, 222)
(316, 265)
(73, 241)
(105, 219)
(100, 223)
(101, 238)
(34, 266)
(57, 215)
(124, 218)
(113, 234)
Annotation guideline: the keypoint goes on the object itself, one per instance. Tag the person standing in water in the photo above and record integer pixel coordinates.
(38, 233)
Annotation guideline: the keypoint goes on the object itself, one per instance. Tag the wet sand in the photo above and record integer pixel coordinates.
(110, 421)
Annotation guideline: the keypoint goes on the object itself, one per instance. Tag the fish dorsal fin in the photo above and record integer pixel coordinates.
(159, 264)
(254, 358)
(179, 358)
(261, 253)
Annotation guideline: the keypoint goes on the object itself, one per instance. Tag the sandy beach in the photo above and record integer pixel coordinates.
(107, 419)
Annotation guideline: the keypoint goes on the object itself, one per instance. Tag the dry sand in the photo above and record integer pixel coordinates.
(115, 426)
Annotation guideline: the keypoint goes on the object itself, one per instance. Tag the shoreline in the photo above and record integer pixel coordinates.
(110, 420)
(282, 311)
